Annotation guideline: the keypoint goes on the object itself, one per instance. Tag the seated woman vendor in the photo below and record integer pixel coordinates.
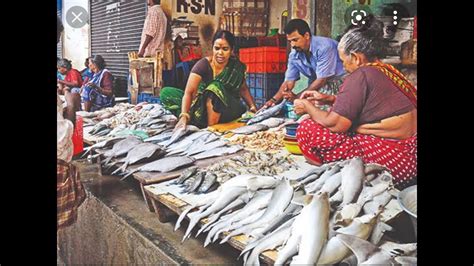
(214, 88)
(373, 116)
(72, 78)
(97, 93)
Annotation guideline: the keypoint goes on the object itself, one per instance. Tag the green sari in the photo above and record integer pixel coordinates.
(226, 87)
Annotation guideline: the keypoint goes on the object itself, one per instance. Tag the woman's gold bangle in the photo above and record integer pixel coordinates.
(186, 115)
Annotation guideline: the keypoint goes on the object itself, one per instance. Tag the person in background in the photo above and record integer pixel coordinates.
(213, 90)
(97, 93)
(154, 30)
(72, 78)
(86, 73)
(313, 56)
(374, 115)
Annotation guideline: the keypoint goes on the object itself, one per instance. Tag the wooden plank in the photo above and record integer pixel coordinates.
(177, 205)
(147, 178)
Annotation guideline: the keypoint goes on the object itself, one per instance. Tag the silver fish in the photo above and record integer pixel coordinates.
(207, 147)
(179, 133)
(190, 171)
(163, 165)
(335, 250)
(121, 147)
(313, 239)
(249, 129)
(272, 122)
(140, 153)
(225, 150)
(165, 135)
(271, 241)
(352, 180)
(208, 181)
(267, 113)
(366, 252)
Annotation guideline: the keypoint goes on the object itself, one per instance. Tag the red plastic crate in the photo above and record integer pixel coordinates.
(266, 59)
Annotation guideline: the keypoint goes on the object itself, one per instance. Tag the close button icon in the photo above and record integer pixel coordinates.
(77, 17)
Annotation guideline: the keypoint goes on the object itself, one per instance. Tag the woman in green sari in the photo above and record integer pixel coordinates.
(213, 90)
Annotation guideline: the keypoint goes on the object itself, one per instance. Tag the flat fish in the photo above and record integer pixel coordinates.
(179, 133)
(164, 165)
(208, 147)
(140, 153)
(163, 136)
(122, 147)
(267, 113)
(246, 130)
(225, 150)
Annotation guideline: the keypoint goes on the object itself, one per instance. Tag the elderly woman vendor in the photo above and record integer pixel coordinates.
(373, 116)
(214, 88)
(97, 92)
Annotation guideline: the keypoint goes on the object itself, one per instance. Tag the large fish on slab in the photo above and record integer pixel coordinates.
(259, 201)
(187, 141)
(163, 165)
(224, 198)
(179, 133)
(314, 237)
(368, 253)
(140, 153)
(335, 251)
(273, 122)
(220, 151)
(163, 136)
(207, 147)
(267, 113)
(352, 180)
(121, 147)
(280, 200)
(271, 241)
(103, 144)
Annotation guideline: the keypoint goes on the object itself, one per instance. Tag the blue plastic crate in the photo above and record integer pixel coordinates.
(263, 86)
(147, 97)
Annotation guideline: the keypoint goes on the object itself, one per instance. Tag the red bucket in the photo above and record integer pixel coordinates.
(77, 139)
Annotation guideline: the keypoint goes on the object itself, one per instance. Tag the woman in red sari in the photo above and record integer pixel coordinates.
(373, 116)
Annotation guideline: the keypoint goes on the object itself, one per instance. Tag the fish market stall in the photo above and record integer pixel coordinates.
(361, 218)
(242, 187)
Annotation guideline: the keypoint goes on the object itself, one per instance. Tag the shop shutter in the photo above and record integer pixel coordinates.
(116, 28)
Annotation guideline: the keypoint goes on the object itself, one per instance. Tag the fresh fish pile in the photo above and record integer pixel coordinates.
(150, 118)
(270, 141)
(274, 213)
(257, 163)
(163, 165)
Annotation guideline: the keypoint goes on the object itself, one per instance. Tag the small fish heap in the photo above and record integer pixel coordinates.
(270, 141)
(209, 178)
(343, 208)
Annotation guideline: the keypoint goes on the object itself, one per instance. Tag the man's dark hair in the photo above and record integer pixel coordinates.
(156, 2)
(99, 61)
(297, 24)
(226, 35)
(60, 29)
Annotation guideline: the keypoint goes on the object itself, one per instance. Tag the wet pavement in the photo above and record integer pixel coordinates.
(115, 226)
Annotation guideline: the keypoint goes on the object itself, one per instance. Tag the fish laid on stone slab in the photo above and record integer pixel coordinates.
(141, 153)
(164, 165)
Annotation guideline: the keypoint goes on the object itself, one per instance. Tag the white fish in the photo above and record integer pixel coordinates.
(352, 180)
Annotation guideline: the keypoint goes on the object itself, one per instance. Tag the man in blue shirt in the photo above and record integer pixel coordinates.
(315, 57)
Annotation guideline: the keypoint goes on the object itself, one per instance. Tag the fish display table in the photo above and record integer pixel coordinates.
(167, 204)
